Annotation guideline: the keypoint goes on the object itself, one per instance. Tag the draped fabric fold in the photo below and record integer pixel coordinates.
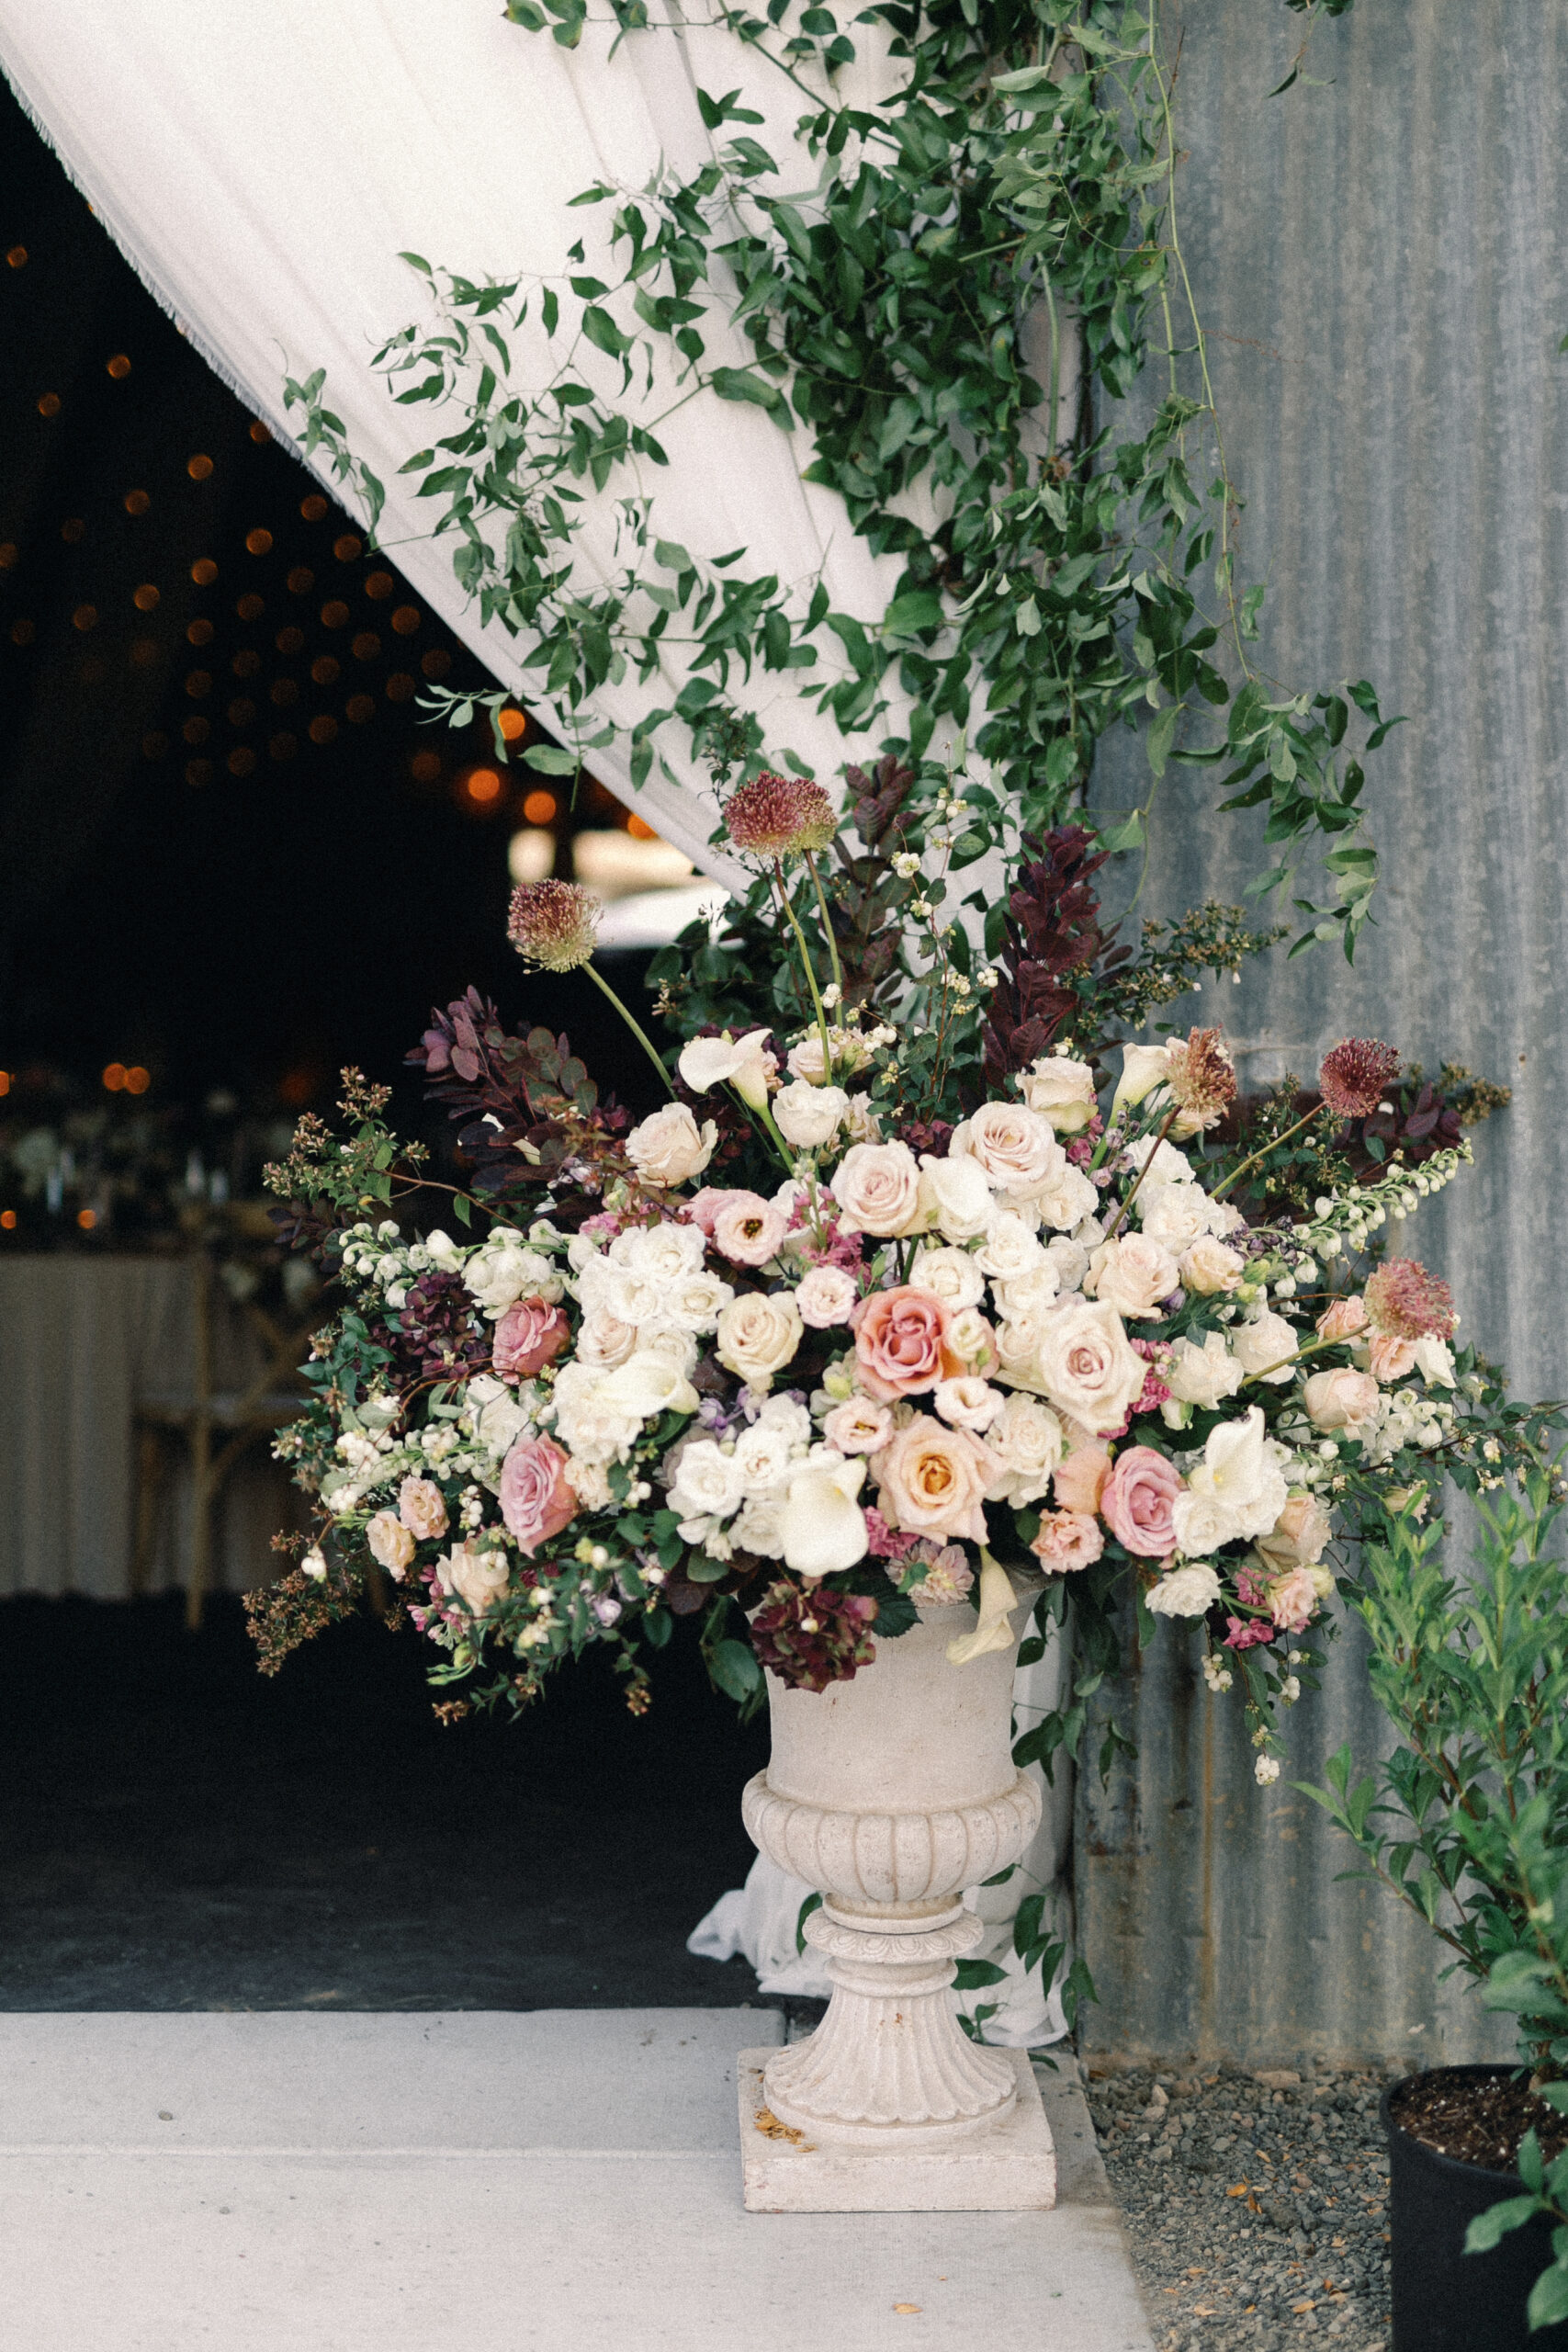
(264, 170)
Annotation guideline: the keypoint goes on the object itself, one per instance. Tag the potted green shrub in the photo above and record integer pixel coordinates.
(1467, 1823)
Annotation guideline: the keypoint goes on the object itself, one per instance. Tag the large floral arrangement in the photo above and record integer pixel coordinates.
(802, 1352)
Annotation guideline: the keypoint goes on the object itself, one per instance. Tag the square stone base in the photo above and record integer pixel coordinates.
(1011, 2168)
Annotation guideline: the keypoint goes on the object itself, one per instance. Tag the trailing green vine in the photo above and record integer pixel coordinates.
(886, 276)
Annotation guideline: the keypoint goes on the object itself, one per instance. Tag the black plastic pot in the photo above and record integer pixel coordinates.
(1445, 2300)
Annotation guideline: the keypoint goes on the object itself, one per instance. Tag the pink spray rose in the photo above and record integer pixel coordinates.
(1067, 1539)
(1293, 1598)
(422, 1507)
(1340, 1400)
(1343, 1319)
(530, 1335)
(536, 1498)
(1079, 1483)
(827, 1295)
(1136, 1504)
(901, 1343)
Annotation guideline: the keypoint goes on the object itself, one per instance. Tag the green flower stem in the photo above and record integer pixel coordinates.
(827, 927)
(638, 1032)
(1120, 1220)
(1272, 1145)
(1312, 1348)
(810, 978)
(763, 1119)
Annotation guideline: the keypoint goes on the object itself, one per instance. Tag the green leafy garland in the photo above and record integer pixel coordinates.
(1026, 166)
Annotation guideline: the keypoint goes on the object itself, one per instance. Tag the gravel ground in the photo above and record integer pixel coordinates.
(1257, 2205)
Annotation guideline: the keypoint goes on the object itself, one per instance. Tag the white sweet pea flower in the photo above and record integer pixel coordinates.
(741, 1062)
(820, 1525)
(994, 1632)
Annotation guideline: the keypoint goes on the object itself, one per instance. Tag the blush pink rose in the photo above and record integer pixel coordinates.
(1067, 1539)
(1079, 1483)
(422, 1507)
(749, 1229)
(1340, 1400)
(1293, 1598)
(901, 1343)
(1390, 1358)
(1136, 1503)
(529, 1336)
(536, 1498)
(1343, 1319)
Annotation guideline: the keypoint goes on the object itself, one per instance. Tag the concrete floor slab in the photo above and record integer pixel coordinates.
(516, 2182)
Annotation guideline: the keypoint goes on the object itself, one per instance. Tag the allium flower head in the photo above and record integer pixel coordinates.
(1405, 1301)
(779, 816)
(554, 924)
(1355, 1076)
(1201, 1074)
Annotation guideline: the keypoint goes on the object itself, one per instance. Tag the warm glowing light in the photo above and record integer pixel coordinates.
(322, 729)
(290, 641)
(334, 615)
(146, 599)
(259, 541)
(514, 725)
(366, 645)
(137, 502)
(483, 787)
(199, 771)
(260, 431)
(296, 1087)
(325, 670)
(405, 620)
(16, 259)
(86, 1219)
(437, 662)
(85, 618)
(8, 1219)
(198, 468)
(425, 766)
(50, 404)
(358, 708)
(400, 686)
(204, 572)
(379, 586)
(114, 1077)
(313, 507)
(137, 1080)
(251, 607)
(301, 580)
(22, 632)
(241, 760)
(9, 551)
(200, 633)
(540, 807)
(119, 366)
(4, 1081)
(639, 831)
(348, 549)
(197, 684)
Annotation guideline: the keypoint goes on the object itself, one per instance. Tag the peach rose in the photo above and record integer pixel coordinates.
(1390, 1358)
(747, 1229)
(1343, 1319)
(1340, 1400)
(530, 1335)
(1080, 1481)
(901, 1343)
(476, 1571)
(932, 1480)
(1067, 1539)
(1297, 1537)
(422, 1507)
(536, 1497)
(1138, 1499)
(858, 1426)
(878, 1187)
(390, 1544)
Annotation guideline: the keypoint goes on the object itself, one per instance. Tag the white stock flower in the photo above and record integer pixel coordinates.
(1202, 1375)
(1162, 1162)
(1033, 1292)
(809, 1116)
(708, 1483)
(1069, 1253)
(952, 1275)
(620, 1291)
(1062, 1091)
(956, 1197)
(741, 1062)
(822, 1526)
(1028, 1440)
(1185, 1592)
(1265, 1347)
(669, 1147)
(783, 1413)
(503, 1270)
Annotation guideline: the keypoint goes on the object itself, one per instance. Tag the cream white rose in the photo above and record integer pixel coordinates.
(757, 1528)
(1340, 1400)
(708, 1483)
(1298, 1537)
(952, 1275)
(477, 1573)
(956, 1197)
(1210, 1267)
(696, 1301)
(1016, 1147)
(1203, 1376)
(1062, 1091)
(765, 1456)
(1028, 1440)
(390, 1544)
(1131, 1273)
(1265, 1346)
(603, 1339)
(1068, 1199)
(809, 1116)
(877, 1188)
(1089, 1368)
(669, 1147)
(670, 1339)
(967, 1402)
(1185, 1592)
(758, 1334)
(1008, 1249)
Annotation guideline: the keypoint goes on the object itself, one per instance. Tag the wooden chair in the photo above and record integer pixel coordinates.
(217, 1427)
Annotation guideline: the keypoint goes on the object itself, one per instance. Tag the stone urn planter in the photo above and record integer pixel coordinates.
(891, 1793)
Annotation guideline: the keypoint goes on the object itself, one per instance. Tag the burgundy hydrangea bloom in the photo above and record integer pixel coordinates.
(810, 1638)
(436, 1328)
(554, 924)
(1405, 1301)
(779, 816)
(1355, 1076)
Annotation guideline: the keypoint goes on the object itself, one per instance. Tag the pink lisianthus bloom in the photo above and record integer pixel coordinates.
(1136, 1503)
(1067, 1539)
(530, 1335)
(747, 1229)
(901, 1342)
(536, 1498)
(1077, 1484)
(859, 1425)
(702, 1206)
(1293, 1598)
(1245, 1633)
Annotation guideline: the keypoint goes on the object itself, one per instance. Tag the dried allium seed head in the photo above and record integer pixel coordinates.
(1355, 1075)
(1202, 1076)
(554, 924)
(1405, 1301)
(779, 816)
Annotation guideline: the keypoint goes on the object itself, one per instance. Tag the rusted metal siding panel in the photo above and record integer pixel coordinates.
(1381, 261)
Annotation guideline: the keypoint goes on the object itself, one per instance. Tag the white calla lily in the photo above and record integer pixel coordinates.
(647, 1384)
(1143, 1069)
(994, 1632)
(820, 1524)
(740, 1062)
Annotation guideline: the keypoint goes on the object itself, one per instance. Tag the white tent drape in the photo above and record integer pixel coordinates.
(262, 169)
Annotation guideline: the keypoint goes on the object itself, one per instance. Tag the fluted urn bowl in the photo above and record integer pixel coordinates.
(891, 1794)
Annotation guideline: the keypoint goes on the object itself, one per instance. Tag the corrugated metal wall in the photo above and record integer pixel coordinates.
(1380, 262)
